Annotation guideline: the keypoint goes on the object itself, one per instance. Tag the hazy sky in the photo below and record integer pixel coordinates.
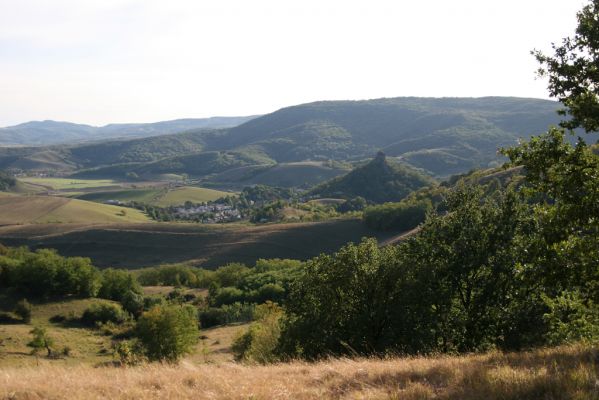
(101, 61)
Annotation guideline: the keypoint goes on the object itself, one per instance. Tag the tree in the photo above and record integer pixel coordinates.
(168, 332)
(342, 303)
(40, 341)
(573, 71)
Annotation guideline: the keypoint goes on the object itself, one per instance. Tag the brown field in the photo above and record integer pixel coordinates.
(47, 209)
(138, 245)
(560, 373)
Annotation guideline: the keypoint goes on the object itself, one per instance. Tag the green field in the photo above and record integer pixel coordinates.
(160, 196)
(69, 183)
(189, 193)
(139, 245)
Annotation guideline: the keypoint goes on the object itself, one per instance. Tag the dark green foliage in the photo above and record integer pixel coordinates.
(168, 332)
(354, 204)
(116, 284)
(379, 181)
(226, 314)
(572, 71)
(133, 303)
(175, 275)
(403, 216)
(7, 182)
(44, 273)
(342, 304)
(101, 313)
(23, 310)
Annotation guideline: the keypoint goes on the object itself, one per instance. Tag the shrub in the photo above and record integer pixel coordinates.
(116, 284)
(259, 343)
(571, 319)
(101, 313)
(23, 310)
(226, 314)
(168, 332)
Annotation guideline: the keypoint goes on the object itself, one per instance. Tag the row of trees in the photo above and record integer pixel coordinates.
(44, 273)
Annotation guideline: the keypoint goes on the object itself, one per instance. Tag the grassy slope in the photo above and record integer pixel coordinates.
(68, 183)
(157, 196)
(561, 373)
(137, 245)
(89, 346)
(193, 194)
(46, 209)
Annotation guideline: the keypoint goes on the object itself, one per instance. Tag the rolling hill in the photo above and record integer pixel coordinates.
(137, 245)
(41, 133)
(378, 181)
(17, 210)
(443, 136)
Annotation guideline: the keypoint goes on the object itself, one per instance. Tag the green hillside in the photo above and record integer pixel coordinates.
(378, 181)
(40, 133)
(297, 174)
(444, 136)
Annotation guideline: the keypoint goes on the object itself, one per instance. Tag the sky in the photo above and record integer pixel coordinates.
(109, 61)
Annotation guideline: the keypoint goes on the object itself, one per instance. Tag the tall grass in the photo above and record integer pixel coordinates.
(559, 373)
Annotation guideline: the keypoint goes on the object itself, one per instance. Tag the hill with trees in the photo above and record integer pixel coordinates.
(378, 181)
(443, 136)
(41, 133)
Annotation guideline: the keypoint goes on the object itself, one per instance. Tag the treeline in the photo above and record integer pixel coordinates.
(44, 273)
(404, 215)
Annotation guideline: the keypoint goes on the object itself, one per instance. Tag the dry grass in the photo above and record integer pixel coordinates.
(562, 373)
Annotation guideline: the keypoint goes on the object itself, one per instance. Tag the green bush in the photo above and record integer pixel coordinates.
(168, 332)
(259, 343)
(101, 313)
(117, 284)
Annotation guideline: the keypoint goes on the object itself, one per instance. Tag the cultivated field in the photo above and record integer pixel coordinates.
(48, 209)
(560, 373)
(138, 245)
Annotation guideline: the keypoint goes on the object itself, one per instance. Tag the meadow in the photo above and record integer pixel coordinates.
(568, 372)
(87, 346)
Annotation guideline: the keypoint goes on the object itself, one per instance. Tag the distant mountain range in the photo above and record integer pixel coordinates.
(439, 136)
(42, 133)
